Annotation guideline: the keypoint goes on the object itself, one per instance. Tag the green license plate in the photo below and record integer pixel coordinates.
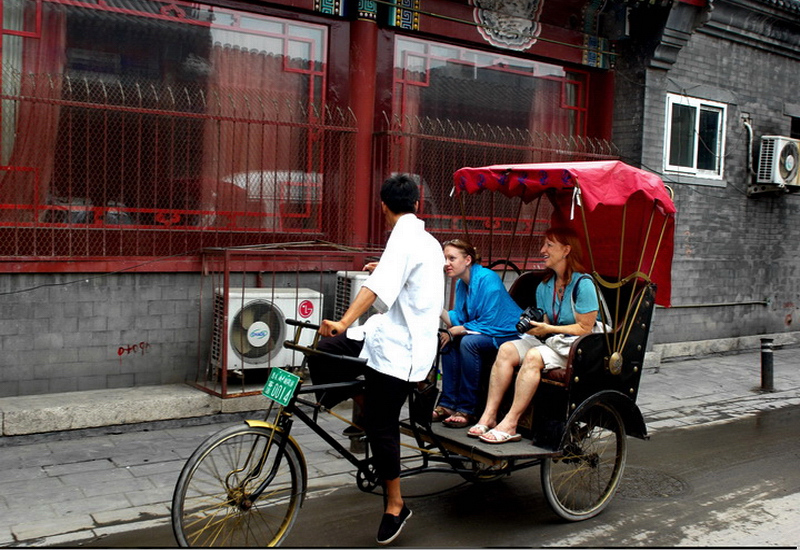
(280, 386)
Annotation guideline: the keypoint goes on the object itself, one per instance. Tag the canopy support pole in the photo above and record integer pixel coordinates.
(530, 235)
(464, 216)
(511, 240)
(595, 274)
(491, 229)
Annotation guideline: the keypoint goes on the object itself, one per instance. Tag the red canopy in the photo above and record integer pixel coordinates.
(623, 241)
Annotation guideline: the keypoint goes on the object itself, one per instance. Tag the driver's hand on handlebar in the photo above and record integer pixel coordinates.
(331, 328)
(370, 267)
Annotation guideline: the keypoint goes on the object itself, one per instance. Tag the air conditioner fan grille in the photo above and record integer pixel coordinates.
(263, 317)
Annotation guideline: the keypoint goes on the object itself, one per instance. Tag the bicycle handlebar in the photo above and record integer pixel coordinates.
(312, 350)
(303, 324)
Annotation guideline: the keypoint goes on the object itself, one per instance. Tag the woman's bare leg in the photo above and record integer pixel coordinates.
(502, 373)
(527, 382)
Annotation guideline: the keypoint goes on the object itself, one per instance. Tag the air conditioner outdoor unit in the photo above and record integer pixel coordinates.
(256, 327)
(348, 283)
(778, 161)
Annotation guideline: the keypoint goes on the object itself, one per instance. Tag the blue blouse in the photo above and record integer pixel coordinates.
(484, 305)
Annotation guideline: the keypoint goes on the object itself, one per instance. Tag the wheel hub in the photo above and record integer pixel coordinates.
(237, 498)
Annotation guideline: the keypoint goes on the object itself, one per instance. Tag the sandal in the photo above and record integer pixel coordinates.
(495, 436)
(440, 413)
(478, 430)
(459, 420)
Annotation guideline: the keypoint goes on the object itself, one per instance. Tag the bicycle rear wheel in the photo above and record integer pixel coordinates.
(582, 482)
(214, 504)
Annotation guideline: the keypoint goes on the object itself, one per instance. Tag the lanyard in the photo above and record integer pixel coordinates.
(557, 314)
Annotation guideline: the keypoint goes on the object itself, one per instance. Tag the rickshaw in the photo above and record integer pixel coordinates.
(244, 485)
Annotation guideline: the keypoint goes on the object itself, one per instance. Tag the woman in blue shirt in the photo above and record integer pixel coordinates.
(484, 317)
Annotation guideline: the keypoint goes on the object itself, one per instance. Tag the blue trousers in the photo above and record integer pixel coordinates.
(461, 363)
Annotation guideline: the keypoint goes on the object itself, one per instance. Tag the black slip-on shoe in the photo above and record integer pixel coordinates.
(353, 431)
(392, 525)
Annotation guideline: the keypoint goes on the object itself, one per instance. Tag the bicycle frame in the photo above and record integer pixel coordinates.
(285, 420)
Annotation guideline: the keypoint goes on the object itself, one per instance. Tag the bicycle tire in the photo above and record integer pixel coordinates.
(211, 505)
(581, 483)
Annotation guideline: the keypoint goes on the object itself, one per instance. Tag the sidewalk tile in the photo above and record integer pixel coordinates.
(53, 526)
(130, 514)
(79, 467)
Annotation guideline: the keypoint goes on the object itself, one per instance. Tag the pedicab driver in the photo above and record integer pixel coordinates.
(399, 345)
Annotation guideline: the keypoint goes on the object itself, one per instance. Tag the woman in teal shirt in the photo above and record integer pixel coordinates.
(568, 298)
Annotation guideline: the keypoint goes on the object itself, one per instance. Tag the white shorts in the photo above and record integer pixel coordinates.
(554, 350)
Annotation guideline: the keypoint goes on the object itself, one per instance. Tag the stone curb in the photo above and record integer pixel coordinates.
(98, 408)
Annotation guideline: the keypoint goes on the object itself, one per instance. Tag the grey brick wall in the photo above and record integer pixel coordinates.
(730, 249)
(70, 332)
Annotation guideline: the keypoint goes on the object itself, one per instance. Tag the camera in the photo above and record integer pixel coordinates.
(530, 314)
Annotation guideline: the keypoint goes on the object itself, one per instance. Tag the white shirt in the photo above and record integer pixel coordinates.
(409, 280)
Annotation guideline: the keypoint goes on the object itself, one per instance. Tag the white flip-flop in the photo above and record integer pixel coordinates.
(499, 437)
(482, 428)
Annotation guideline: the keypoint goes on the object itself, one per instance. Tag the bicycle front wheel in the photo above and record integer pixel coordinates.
(241, 488)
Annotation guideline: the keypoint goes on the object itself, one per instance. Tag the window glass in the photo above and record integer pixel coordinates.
(455, 107)
(14, 20)
(681, 151)
(695, 136)
(444, 82)
(708, 145)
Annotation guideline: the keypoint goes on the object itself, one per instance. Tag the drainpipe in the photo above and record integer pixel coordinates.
(749, 127)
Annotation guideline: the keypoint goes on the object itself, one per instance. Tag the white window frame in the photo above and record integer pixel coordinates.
(698, 105)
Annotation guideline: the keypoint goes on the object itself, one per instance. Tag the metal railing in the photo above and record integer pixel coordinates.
(434, 149)
(129, 169)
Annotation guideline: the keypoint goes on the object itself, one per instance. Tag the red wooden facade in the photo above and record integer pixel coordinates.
(137, 133)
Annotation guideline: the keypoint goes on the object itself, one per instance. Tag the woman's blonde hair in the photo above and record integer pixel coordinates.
(464, 246)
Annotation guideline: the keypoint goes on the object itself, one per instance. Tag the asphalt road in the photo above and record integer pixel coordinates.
(734, 484)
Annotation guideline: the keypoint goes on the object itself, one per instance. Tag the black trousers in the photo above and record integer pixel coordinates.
(384, 397)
